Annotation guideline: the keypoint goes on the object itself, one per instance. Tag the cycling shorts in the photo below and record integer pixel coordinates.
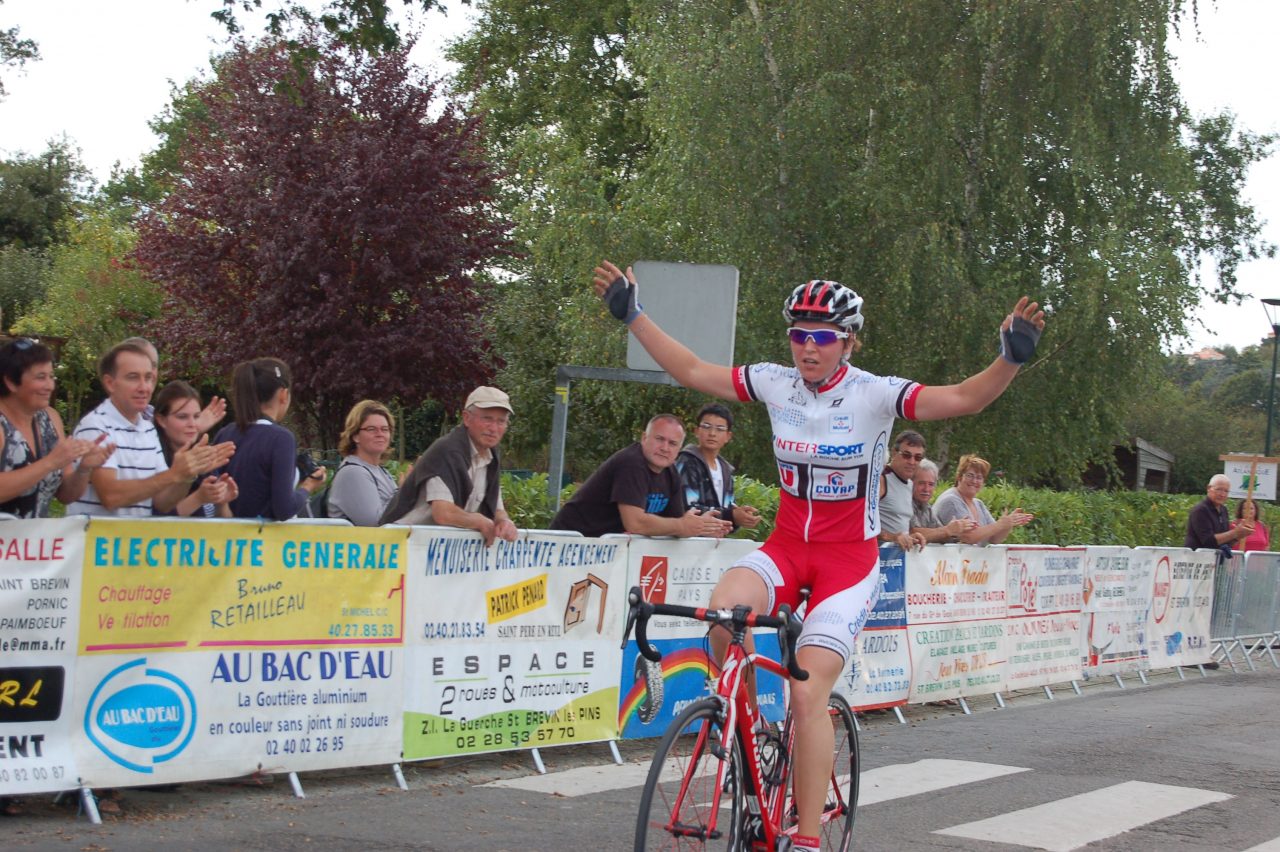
(843, 578)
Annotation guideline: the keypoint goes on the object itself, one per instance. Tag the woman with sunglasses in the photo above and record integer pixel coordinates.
(37, 460)
(961, 501)
(361, 487)
(831, 424)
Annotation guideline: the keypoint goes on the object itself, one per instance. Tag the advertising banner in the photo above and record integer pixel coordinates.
(1045, 593)
(212, 649)
(39, 616)
(1181, 605)
(1117, 595)
(683, 572)
(513, 645)
(879, 674)
(956, 620)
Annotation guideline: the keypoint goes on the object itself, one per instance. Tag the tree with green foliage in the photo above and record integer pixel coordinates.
(22, 281)
(135, 191)
(363, 25)
(95, 298)
(15, 51)
(942, 158)
(39, 195)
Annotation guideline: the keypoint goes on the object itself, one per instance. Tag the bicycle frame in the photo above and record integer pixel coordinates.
(761, 800)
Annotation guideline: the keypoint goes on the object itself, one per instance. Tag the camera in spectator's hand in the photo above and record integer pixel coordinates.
(307, 466)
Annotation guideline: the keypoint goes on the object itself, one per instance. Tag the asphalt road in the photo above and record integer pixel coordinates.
(1170, 766)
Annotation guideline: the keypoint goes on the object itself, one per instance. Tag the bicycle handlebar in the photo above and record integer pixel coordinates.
(785, 621)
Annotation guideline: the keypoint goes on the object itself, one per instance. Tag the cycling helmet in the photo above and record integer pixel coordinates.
(824, 301)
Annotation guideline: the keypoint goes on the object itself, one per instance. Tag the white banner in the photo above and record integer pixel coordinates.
(1181, 605)
(214, 649)
(956, 616)
(1117, 597)
(513, 645)
(879, 674)
(40, 565)
(1043, 631)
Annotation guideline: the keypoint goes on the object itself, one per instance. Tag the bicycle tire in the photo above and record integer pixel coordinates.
(680, 794)
(650, 674)
(842, 792)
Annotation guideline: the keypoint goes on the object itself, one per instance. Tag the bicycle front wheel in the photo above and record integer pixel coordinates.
(842, 794)
(693, 797)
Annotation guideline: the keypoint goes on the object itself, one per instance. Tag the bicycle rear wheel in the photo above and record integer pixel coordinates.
(683, 794)
(842, 791)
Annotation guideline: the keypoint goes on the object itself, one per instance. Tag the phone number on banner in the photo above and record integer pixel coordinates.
(453, 629)
(361, 631)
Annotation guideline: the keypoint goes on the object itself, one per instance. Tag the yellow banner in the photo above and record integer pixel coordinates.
(201, 585)
(517, 598)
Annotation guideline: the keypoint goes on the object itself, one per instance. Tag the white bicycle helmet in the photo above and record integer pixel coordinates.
(825, 301)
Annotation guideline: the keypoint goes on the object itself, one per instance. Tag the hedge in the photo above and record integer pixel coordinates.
(1128, 518)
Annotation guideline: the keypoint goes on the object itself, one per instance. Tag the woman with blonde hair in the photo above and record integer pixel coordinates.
(361, 487)
(961, 501)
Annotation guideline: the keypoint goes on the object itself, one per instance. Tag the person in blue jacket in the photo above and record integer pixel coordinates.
(265, 466)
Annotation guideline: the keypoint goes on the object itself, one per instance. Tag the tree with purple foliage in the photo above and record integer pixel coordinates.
(330, 211)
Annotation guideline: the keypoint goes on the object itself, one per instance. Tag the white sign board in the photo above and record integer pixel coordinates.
(1264, 484)
(695, 303)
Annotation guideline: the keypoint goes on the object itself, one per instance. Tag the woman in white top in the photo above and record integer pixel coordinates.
(362, 488)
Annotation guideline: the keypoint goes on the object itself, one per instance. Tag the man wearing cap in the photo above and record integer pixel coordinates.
(455, 482)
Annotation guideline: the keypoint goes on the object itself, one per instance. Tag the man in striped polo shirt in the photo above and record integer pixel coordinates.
(135, 478)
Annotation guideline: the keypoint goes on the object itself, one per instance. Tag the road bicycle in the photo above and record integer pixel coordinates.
(720, 778)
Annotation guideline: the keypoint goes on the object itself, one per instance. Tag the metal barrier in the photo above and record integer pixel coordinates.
(1245, 620)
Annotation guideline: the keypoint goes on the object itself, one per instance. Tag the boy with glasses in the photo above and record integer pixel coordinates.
(708, 478)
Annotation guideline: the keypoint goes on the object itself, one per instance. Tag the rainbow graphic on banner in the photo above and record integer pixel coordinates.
(674, 664)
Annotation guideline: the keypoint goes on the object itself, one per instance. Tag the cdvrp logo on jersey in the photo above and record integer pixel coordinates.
(140, 716)
(835, 484)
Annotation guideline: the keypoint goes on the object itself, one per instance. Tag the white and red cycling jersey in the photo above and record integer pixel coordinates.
(830, 445)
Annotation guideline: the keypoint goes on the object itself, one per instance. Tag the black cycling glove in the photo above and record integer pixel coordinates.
(621, 300)
(1018, 342)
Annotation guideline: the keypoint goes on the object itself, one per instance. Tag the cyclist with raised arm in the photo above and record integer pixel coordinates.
(831, 427)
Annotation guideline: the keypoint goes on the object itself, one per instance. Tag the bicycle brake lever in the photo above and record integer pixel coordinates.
(649, 652)
(788, 635)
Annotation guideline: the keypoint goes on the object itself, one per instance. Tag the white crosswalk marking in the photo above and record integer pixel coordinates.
(587, 779)
(924, 776)
(1270, 846)
(1076, 821)
(877, 785)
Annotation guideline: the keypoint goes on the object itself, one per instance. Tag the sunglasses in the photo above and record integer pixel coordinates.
(22, 344)
(819, 336)
(910, 456)
(711, 427)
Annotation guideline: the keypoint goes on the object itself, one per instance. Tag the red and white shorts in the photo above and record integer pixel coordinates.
(843, 578)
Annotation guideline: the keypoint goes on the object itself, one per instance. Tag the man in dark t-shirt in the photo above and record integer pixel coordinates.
(1208, 525)
(637, 490)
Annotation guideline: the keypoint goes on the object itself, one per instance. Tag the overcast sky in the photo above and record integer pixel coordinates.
(106, 69)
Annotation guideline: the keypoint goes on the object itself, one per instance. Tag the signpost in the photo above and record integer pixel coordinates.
(1251, 475)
